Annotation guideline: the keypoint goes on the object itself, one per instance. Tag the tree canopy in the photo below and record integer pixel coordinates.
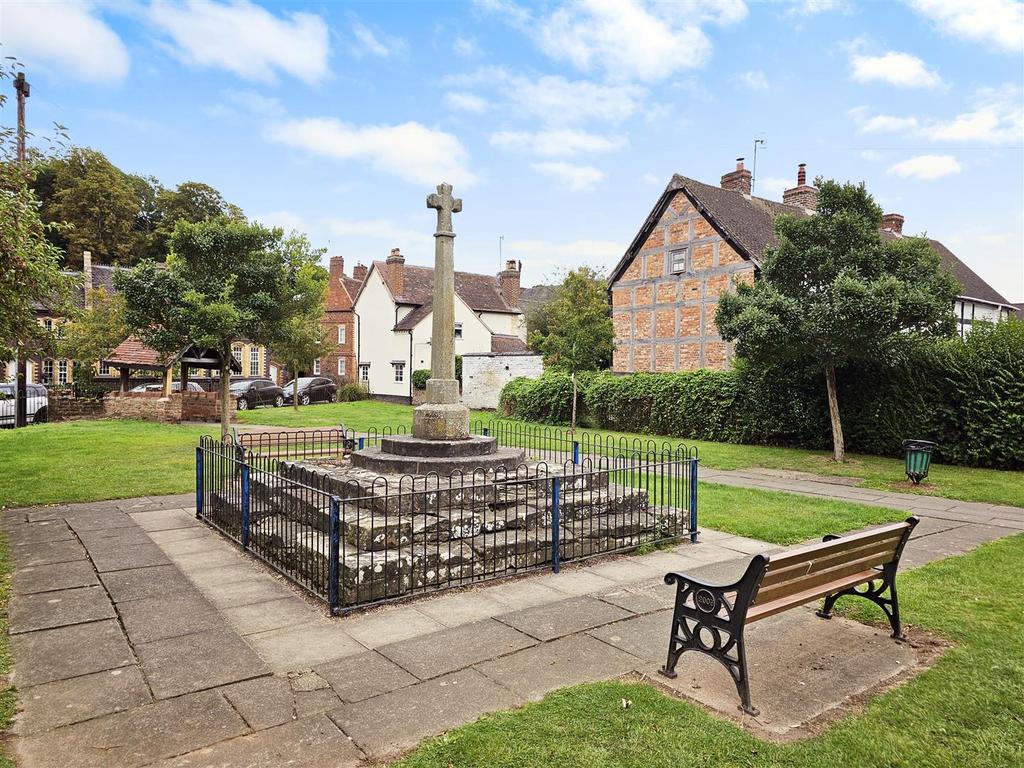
(833, 291)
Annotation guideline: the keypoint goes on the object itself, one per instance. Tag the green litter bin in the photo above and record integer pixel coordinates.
(918, 455)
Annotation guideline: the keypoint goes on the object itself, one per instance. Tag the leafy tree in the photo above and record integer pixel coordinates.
(93, 334)
(189, 201)
(833, 292)
(580, 336)
(226, 280)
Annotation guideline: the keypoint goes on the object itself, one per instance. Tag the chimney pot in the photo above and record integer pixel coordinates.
(739, 163)
(738, 180)
(893, 222)
(801, 174)
(801, 195)
(509, 282)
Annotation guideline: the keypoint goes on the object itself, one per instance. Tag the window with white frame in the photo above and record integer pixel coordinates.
(48, 324)
(399, 367)
(341, 366)
(458, 330)
(680, 260)
(48, 371)
(104, 368)
(316, 367)
(254, 361)
(236, 352)
(341, 334)
(364, 372)
(62, 371)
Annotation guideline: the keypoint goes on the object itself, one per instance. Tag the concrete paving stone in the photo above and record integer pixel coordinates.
(194, 662)
(522, 593)
(669, 560)
(139, 583)
(533, 672)
(642, 597)
(181, 534)
(1016, 525)
(46, 552)
(304, 646)
(122, 558)
(272, 614)
(77, 649)
(929, 525)
(457, 608)
(746, 546)
(45, 610)
(1010, 512)
(106, 538)
(577, 581)
(258, 588)
(304, 682)
(921, 502)
(170, 615)
(40, 514)
(308, 703)
(192, 546)
(47, 578)
(63, 702)
(263, 702)
(238, 570)
(456, 648)
(166, 520)
(399, 720)
(92, 522)
(35, 533)
(390, 625)
(546, 622)
(309, 742)
(645, 637)
(210, 558)
(136, 737)
(363, 676)
(625, 569)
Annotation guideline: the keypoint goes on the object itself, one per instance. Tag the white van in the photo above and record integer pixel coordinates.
(35, 407)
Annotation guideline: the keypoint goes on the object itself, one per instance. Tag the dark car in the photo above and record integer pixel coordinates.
(312, 389)
(253, 393)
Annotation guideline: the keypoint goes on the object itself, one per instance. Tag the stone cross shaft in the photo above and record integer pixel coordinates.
(445, 205)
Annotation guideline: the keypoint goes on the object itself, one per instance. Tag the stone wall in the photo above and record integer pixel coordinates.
(484, 375)
(66, 407)
(144, 406)
(665, 319)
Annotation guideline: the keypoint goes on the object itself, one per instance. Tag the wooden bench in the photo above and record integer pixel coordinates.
(710, 618)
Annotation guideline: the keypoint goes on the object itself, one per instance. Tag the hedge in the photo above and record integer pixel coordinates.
(967, 396)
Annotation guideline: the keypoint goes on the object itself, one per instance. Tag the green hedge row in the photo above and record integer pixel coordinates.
(967, 396)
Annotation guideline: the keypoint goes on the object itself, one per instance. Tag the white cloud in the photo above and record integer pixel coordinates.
(755, 80)
(557, 142)
(545, 256)
(814, 7)
(926, 167)
(466, 102)
(996, 117)
(370, 43)
(881, 123)
(579, 178)
(466, 47)
(651, 178)
(245, 38)
(869, 155)
(772, 186)
(900, 69)
(289, 221)
(1000, 22)
(410, 150)
(71, 37)
(380, 229)
(627, 39)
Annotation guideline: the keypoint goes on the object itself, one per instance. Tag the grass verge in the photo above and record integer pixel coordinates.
(966, 711)
(8, 696)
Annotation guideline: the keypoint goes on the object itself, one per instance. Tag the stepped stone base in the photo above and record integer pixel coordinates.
(407, 455)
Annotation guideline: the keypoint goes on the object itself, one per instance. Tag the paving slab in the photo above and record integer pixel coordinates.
(234, 571)
(63, 702)
(39, 514)
(35, 533)
(192, 545)
(442, 652)
(546, 622)
(364, 676)
(162, 537)
(48, 578)
(303, 646)
(140, 583)
(121, 558)
(390, 625)
(106, 538)
(458, 608)
(625, 570)
(645, 637)
(522, 593)
(166, 520)
(43, 553)
(320, 702)
(399, 720)
(77, 649)
(194, 662)
(310, 742)
(256, 588)
(252, 618)
(171, 615)
(578, 581)
(642, 597)
(45, 610)
(533, 672)
(262, 702)
(167, 728)
(211, 558)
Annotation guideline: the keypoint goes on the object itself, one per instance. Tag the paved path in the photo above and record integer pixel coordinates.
(143, 638)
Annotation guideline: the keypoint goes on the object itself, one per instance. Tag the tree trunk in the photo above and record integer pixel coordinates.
(838, 448)
(295, 386)
(225, 396)
(574, 402)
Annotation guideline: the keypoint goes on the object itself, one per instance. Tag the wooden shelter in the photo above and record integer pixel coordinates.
(132, 354)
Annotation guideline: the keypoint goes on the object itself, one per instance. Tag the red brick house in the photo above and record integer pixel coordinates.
(339, 322)
(700, 240)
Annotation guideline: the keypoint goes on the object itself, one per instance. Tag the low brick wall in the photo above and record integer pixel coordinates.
(67, 407)
(203, 406)
(150, 406)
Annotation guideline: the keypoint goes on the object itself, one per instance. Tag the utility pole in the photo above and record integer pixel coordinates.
(22, 88)
(753, 175)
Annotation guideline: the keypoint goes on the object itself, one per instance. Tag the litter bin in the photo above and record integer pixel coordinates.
(918, 454)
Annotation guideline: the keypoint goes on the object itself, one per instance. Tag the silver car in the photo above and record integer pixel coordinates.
(35, 407)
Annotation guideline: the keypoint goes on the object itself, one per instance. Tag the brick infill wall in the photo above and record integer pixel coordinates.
(144, 406)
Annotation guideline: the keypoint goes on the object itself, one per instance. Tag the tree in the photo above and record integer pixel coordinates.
(189, 201)
(301, 340)
(226, 280)
(833, 292)
(580, 336)
(93, 334)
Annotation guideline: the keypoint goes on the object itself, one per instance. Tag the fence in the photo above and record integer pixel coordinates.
(355, 540)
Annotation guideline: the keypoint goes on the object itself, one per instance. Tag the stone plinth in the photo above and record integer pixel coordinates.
(413, 455)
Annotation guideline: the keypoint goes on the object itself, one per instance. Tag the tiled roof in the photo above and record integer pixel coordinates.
(503, 344)
(412, 319)
(480, 292)
(533, 298)
(133, 352)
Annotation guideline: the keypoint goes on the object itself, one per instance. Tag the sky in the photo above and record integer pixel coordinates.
(559, 124)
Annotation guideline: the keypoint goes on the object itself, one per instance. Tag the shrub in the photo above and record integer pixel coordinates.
(350, 391)
(420, 377)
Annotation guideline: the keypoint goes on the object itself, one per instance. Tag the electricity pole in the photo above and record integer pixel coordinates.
(22, 88)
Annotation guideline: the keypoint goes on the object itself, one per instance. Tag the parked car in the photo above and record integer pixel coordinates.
(175, 387)
(312, 389)
(35, 408)
(252, 393)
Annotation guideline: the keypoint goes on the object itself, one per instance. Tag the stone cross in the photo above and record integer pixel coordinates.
(446, 205)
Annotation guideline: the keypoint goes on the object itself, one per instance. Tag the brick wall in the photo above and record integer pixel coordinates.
(66, 407)
(150, 406)
(664, 321)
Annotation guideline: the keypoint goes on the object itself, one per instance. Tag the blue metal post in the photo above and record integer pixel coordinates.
(487, 431)
(333, 551)
(199, 482)
(693, 500)
(575, 451)
(362, 443)
(556, 524)
(245, 506)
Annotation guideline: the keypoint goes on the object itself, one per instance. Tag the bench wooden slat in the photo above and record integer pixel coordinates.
(816, 579)
(765, 610)
(845, 542)
(824, 560)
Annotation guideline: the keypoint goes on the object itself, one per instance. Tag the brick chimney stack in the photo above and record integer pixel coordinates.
(893, 222)
(359, 272)
(335, 286)
(801, 195)
(396, 271)
(87, 284)
(738, 180)
(508, 282)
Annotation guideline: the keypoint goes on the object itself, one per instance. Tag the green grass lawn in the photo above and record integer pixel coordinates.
(966, 711)
(8, 696)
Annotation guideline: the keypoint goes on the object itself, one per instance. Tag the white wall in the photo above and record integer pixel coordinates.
(507, 325)
(484, 376)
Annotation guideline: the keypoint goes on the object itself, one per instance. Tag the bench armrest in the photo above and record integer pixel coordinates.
(757, 565)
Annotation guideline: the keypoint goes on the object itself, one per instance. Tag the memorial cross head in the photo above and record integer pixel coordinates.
(445, 205)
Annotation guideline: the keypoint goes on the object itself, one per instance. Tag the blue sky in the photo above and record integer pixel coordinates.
(558, 124)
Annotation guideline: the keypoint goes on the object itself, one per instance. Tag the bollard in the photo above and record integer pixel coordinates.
(487, 431)
(693, 500)
(575, 451)
(333, 551)
(199, 482)
(245, 506)
(362, 443)
(556, 524)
